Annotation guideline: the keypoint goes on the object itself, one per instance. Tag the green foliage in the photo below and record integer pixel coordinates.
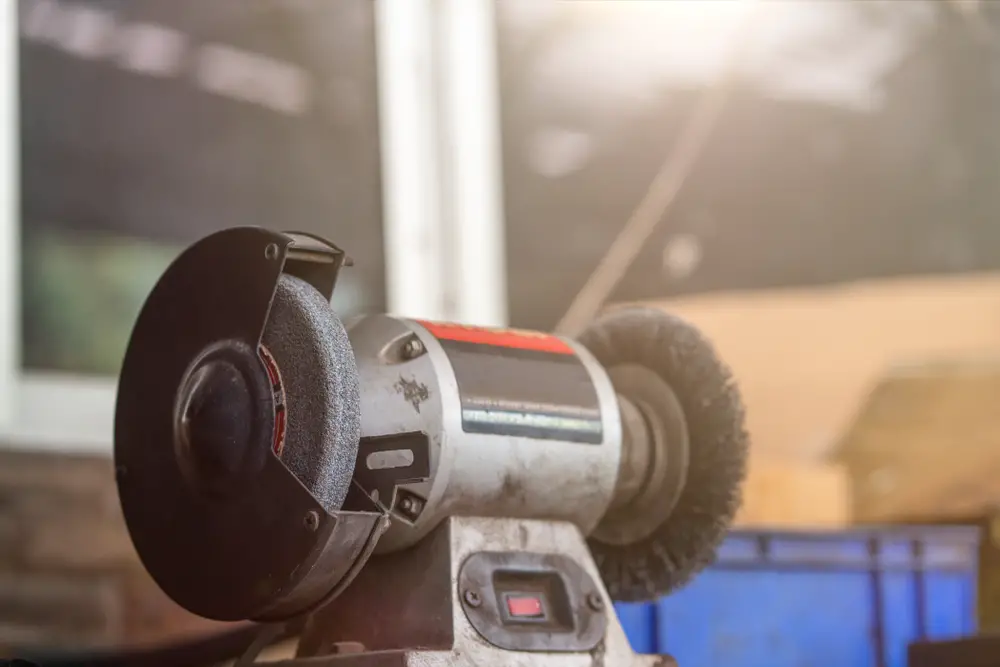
(81, 295)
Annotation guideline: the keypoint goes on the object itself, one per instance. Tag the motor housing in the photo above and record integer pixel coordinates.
(472, 421)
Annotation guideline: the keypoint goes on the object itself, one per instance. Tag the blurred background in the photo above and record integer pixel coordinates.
(834, 228)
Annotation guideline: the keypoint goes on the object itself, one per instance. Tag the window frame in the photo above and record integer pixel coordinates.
(441, 193)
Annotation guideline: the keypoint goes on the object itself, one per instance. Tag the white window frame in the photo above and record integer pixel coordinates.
(442, 200)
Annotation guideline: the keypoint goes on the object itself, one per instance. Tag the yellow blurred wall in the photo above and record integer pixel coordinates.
(806, 358)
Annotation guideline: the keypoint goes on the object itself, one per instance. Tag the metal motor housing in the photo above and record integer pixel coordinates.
(421, 381)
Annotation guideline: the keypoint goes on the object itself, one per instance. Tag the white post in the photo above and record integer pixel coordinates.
(10, 218)
(472, 156)
(414, 227)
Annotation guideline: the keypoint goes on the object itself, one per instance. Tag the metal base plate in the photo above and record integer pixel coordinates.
(416, 608)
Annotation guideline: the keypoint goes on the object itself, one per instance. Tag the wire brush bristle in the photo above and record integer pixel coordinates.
(687, 542)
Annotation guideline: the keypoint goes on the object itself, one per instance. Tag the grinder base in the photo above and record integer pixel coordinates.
(475, 592)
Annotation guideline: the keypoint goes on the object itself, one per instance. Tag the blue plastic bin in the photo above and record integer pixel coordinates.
(639, 621)
(846, 599)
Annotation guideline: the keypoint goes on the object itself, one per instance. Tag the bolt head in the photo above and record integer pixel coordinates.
(413, 348)
(595, 601)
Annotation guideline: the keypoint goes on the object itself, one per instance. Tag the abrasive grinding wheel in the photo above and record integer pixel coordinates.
(705, 438)
(315, 367)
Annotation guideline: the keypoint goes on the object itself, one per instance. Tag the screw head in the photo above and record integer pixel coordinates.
(312, 520)
(406, 504)
(472, 598)
(271, 251)
(413, 348)
(595, 601)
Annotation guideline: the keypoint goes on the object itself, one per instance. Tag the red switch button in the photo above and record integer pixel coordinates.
(524, 606)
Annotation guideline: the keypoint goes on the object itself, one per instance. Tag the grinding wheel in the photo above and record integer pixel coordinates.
(703, 509)
(317, 373)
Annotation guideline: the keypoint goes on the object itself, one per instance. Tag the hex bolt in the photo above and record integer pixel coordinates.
(472, 598)
(595, 601)
(410, 505)
(413, 348)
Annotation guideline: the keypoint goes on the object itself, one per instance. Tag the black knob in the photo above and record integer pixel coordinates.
(214, 431)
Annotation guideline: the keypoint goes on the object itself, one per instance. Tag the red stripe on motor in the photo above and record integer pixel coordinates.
(511, 338)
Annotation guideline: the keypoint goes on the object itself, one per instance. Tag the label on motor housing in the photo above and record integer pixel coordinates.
(520, 383)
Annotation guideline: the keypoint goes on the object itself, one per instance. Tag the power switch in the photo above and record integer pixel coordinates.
(524, 607)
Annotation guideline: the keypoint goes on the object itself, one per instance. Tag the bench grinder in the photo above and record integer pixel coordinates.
(409, 492)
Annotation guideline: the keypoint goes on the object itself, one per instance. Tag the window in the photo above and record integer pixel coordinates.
(151, 125)
(858, 141)
(147, 125)
(408, 135)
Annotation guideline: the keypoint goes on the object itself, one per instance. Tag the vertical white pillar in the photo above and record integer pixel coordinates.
(414, 227)
(10, 244)
(440, 133)
(472, 154)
